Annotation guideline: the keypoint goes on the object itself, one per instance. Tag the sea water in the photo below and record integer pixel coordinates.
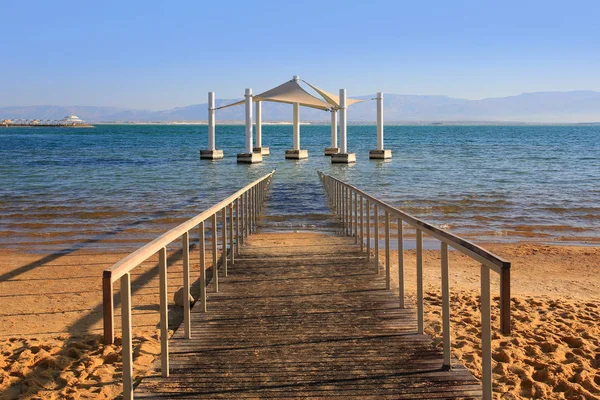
(126, 184)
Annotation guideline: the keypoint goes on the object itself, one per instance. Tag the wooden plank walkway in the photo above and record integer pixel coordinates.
(303, 315)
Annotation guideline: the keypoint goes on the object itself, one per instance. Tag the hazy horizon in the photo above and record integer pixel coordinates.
(542, 107)
(157, 56)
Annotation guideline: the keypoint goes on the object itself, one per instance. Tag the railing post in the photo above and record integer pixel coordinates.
(362, 225)
(164, 313)
(345, 206)
(376, 236)
(401, 262)
(419, 281)
(337, 198)
(343, 200)
(388, 269)
(368, 230)
(202, 247)
(215, 233)
(445, 304)
(231, 241)
(237, 226)
(340, 200)
(253, 193)
(343, 215)
(224, 228)
(355, 217)
(248, 214)
(334, 196)
(256, 207)
(242, 218)
(486, 334)
(251, 209)
(108, 308)
(187, 326)
(258, 200)
(127, 343)
(350, 211)
(246, 219)
(333, 188)
(505, 301)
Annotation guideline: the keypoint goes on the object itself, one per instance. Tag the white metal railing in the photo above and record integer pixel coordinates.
(348, 202)
(244, 207)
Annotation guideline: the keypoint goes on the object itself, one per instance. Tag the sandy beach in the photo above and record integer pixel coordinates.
(51, 324)
(51, 321)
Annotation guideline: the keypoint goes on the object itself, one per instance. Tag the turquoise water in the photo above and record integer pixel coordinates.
(127, 184)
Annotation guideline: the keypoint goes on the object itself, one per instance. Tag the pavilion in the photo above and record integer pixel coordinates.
(71, 119)
(292, 93)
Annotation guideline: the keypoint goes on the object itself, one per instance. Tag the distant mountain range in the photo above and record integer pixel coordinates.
(574, 106)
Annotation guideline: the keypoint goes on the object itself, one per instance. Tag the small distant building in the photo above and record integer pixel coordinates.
(68, 121)
(71, 120)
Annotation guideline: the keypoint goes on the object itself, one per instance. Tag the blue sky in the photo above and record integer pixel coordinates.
(160, 55)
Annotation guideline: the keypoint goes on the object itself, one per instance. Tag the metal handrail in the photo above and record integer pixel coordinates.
(348, 202)
(246, 202)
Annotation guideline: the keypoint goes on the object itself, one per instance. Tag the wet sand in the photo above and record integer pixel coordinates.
(50, 321)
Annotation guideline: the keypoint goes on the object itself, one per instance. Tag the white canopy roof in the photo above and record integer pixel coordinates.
(332, 98)
(291, 92)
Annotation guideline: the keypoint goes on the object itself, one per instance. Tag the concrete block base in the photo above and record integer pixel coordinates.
(329, 151)
(252, 158)
(343, 158)
(380, 154)
(262, 150)
(211, 154)
(296, 154)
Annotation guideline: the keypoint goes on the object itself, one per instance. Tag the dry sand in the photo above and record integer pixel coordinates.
(50, 321)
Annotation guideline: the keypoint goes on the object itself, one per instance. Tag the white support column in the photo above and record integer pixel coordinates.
(211, 120)
(333, 149)
(249, 157)
(248, 104)
(296, 153)
(343, 144)
(379, 120)
(259, 147)
(334, 128)
(211, 153)
(380, 153)
(258, 105)
(343, 157)
(296, 126)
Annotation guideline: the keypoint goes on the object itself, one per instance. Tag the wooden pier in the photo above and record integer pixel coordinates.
(305, 315)
(309, 315)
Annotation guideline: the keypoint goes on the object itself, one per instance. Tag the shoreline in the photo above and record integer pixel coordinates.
(362, 123)
(46, 241)
(48, 126)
